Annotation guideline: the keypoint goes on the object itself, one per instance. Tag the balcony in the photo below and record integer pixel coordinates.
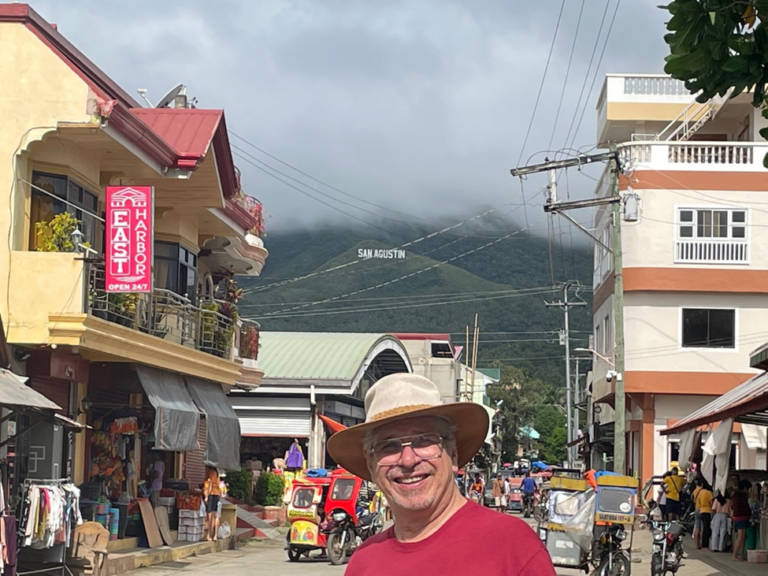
(58, 298)
(248, 351)
(699, 156)
(711, 251)
(163, 314)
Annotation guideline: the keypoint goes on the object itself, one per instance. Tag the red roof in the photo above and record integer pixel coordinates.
(418, 336)
(188, 130)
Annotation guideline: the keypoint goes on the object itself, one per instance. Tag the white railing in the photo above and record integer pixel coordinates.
(654, 84)
(702, 156)
(712, 251)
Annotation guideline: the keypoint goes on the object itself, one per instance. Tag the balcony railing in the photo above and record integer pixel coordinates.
(163, 314)
(712, 251)
(249, 340)
(701, 156)
(656, 85)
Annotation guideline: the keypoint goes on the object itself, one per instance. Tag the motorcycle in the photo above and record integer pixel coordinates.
(528, 505)
(614, 560)
(346, 533)
(667, 555)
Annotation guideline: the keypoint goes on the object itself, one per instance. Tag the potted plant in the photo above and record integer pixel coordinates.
(122, 308)
(225, 334)
(56, 235)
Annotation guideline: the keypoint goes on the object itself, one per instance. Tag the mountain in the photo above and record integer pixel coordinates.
(439, 286)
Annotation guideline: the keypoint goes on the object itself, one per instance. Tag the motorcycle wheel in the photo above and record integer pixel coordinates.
(657, 565)
(337, 552)
(294, 554)
(618, 566)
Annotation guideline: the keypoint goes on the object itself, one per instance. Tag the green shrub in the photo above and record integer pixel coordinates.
(269, 489)
(240, 485)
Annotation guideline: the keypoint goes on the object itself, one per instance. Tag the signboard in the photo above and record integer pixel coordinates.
(129, 239)
(394, 254)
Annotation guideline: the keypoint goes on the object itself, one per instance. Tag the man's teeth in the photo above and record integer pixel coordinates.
(411, 479)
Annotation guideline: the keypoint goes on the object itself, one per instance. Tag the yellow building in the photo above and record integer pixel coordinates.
(68, 131)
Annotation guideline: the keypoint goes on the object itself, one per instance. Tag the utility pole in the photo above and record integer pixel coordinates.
(619, 433)
(614, 199)
(566, 305)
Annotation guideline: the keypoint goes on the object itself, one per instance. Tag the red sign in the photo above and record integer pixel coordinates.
(128, 251)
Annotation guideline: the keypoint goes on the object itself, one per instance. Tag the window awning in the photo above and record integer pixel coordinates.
(747, 403)
(177, 418)
(14, 393)
(755, 436)
(223, 426)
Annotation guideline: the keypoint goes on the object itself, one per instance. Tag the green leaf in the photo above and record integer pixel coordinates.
(764, 133)
(765, 161)
(735, 64)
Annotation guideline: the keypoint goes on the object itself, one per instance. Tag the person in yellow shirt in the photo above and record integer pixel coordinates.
(697, 515)
(673, 484)
(704, 499)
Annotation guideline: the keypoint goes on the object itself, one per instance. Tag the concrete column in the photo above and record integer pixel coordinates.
(78, 464)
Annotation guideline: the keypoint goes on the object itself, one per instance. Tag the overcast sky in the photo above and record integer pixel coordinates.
(419, 105)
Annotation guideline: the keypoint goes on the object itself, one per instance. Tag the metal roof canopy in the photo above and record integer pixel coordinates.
(15, 393)
(747, 404)
(332, 359)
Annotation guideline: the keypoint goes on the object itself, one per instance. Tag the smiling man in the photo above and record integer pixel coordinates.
(411, 446)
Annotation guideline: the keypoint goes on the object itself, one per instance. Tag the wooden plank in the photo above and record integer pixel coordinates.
(150, 524)
(161, 515)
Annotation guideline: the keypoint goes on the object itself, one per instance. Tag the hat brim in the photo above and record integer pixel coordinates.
(471, 421)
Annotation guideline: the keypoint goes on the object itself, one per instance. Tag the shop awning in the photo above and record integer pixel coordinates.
(747, 403)
(333, 426)
(177, 418)
(265, 416)
(222, 424)
(15, 393)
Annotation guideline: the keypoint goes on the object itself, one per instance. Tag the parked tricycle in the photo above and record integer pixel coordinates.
(328, 514)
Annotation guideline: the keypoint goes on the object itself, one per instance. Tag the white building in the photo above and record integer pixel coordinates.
(695, 260)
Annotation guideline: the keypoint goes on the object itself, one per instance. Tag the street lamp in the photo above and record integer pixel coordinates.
(596, 353)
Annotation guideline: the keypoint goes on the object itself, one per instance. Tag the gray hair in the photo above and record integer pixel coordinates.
(446, 429)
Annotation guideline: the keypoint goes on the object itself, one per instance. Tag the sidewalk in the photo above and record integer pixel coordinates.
(723, 562)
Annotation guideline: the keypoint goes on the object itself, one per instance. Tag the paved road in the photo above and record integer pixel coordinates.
(270, 558)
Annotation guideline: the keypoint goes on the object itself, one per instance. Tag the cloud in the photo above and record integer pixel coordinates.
(418, 105)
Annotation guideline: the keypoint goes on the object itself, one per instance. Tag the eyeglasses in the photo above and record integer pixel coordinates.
(425, 446)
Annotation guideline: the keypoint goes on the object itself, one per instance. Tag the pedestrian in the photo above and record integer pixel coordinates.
(721, 507)
(697, 540)
(703, 500)
(741, 513)
(529, 489)
(498, 492)
(507, 493)
(753, 531)
(411, 445)
(478, 489)
(673, 485)
(662, 499)
(156, 475)
(212, 496)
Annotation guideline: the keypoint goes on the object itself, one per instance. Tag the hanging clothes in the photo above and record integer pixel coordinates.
(50, 514)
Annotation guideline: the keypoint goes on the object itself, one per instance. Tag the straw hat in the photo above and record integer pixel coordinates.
(401, 396)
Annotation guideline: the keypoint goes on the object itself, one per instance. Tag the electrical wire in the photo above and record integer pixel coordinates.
(597, 70)
(567, 74)
(354, 262)
(406, 276)
(334, 188)
(589, 67)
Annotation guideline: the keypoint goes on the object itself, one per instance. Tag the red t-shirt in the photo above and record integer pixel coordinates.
(475, 540)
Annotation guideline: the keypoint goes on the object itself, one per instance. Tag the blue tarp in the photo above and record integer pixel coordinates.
(540, 464)
(528, 432)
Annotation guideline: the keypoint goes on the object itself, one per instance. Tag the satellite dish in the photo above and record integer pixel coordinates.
(168, 98)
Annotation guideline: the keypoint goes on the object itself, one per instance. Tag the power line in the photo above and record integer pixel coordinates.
(336, 189)
(567, 74)
(589, 67)
(310, 195)
(406, 276)
(597, 70)
(354, 262)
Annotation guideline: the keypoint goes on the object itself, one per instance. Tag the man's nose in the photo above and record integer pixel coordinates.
(408, 458)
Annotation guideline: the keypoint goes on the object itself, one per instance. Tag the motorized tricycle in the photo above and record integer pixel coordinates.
(328, 514)
(585, 528)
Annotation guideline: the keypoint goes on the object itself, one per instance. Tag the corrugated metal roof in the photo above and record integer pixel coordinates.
(316, 355)
(745, 398)
(13, 392)
(188, 130)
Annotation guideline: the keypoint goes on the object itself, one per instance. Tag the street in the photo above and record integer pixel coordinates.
(270, 558)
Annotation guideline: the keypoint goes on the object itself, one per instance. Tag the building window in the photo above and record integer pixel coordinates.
(608, 331)
(709, 328)
(715, 235)
(598, 339)
(176, 269)
(83, 205)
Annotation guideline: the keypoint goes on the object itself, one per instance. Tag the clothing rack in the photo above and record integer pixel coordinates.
(53, 566)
